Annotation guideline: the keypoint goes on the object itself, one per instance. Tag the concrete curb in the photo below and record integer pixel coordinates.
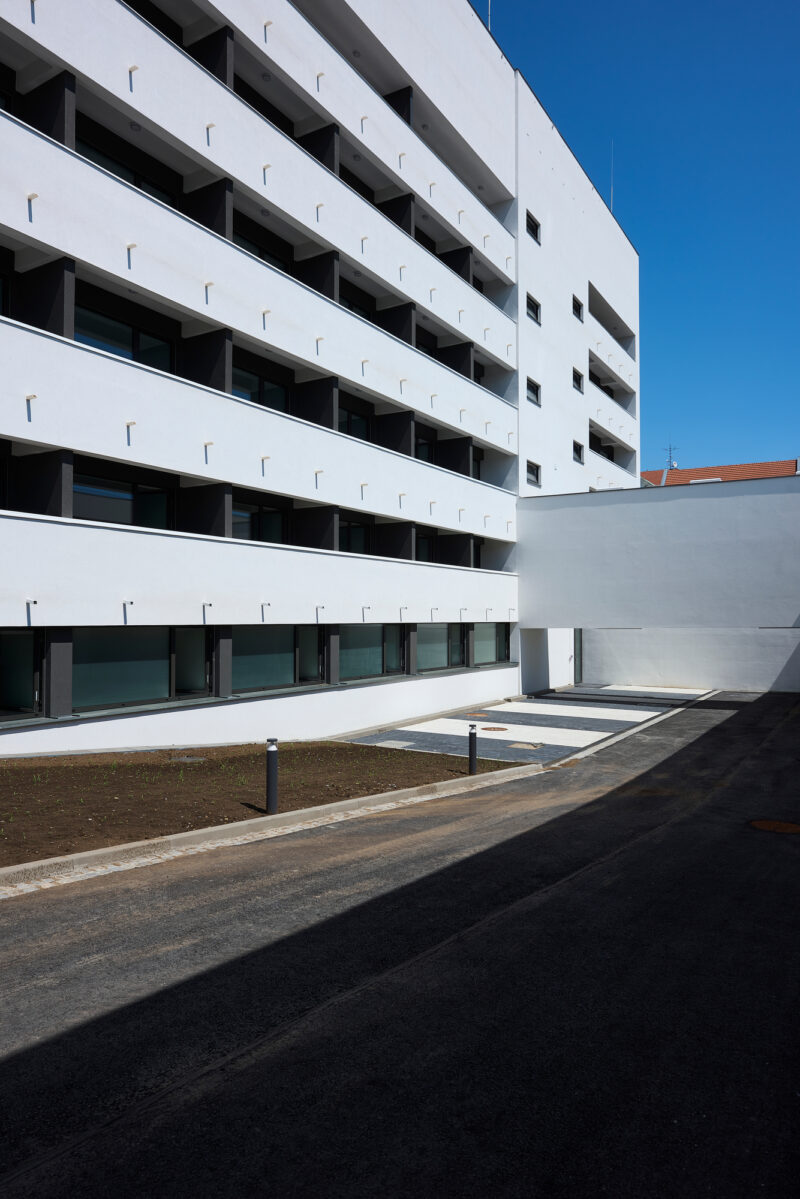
(28, 872)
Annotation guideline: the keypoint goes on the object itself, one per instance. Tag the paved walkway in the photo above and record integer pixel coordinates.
(536, 730)
(583, 983)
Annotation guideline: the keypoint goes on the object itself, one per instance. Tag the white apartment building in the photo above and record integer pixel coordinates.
(292, 313)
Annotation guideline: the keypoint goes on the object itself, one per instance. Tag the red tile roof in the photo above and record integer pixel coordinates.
(742, 470)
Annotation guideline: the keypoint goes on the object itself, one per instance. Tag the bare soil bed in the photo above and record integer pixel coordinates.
(54, 806)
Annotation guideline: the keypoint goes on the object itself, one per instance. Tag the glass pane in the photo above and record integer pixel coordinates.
(431, 646)
(502, 641)
(190, 662)
(104, 160)
(102, 499)
(353, 538)
(424, 450)
(271, 525)
(359, 426)
(245, 518)
(456, 644)
(157, 193)
(154, 351)
(246, 244)
(393, 639)
(360, 651)
(16, 671)
(274, 396)
(94, 329)
(308, 644)
(425, 549)
(151, 508)
(118, 666)
(263, 656)
(245, 384)
(485, 643)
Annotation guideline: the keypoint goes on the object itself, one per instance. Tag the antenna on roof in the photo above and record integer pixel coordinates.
(490, 16)
(671, 450)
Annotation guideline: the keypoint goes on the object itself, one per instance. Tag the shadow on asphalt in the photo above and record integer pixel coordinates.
(628, 1033)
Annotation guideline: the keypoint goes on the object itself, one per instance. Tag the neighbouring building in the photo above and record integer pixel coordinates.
(674, 476)
(292, 315)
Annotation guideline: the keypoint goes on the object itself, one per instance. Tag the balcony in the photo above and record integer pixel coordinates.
(154, 577)
(115, 232)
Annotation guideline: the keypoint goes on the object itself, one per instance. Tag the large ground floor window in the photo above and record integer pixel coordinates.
(367, 651)
(57, 671)
(267, 656)
(440, 646)
(491, 643)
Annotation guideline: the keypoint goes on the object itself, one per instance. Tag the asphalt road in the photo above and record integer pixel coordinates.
(581, 984)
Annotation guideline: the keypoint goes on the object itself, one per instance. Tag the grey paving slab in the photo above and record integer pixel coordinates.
(532, 720)
(496, 751)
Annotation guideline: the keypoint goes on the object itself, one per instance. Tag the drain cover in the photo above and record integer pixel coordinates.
(776, 826)
(493, 728)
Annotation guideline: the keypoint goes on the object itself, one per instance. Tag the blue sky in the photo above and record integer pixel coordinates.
(702, 101)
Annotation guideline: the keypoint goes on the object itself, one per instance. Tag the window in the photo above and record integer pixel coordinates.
(17, 671)
(120, 338)
(355, 537)
(367, 651)
(577, 308)
(114, 501)
(258, 522)
(440, 646)
(491, 643)
(354, 423)
(119, 666)
(534, 309)
(478, 456)
(263, 657)
(260, 389)
(534, 392)
(533, 473)
(533, 227)
(577, 451)
(424, 442)
(577, 379)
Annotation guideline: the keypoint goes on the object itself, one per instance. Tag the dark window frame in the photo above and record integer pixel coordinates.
(533, 469)
(577, 379)
(532, 386)
(533, 308)
(533, 227)
(577, 308)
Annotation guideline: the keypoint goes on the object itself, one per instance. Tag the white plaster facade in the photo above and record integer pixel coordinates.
(476, 160)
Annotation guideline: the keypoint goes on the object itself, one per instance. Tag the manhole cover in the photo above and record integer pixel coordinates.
(493, 728)
(776, 826)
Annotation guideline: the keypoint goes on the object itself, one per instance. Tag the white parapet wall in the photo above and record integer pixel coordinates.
(685, 586)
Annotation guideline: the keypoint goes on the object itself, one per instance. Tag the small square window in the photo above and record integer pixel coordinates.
(577, 451)
(577, 380)
(534, 474)
(533, 227)
(577, 308)
(534, 392)
(534, 309)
